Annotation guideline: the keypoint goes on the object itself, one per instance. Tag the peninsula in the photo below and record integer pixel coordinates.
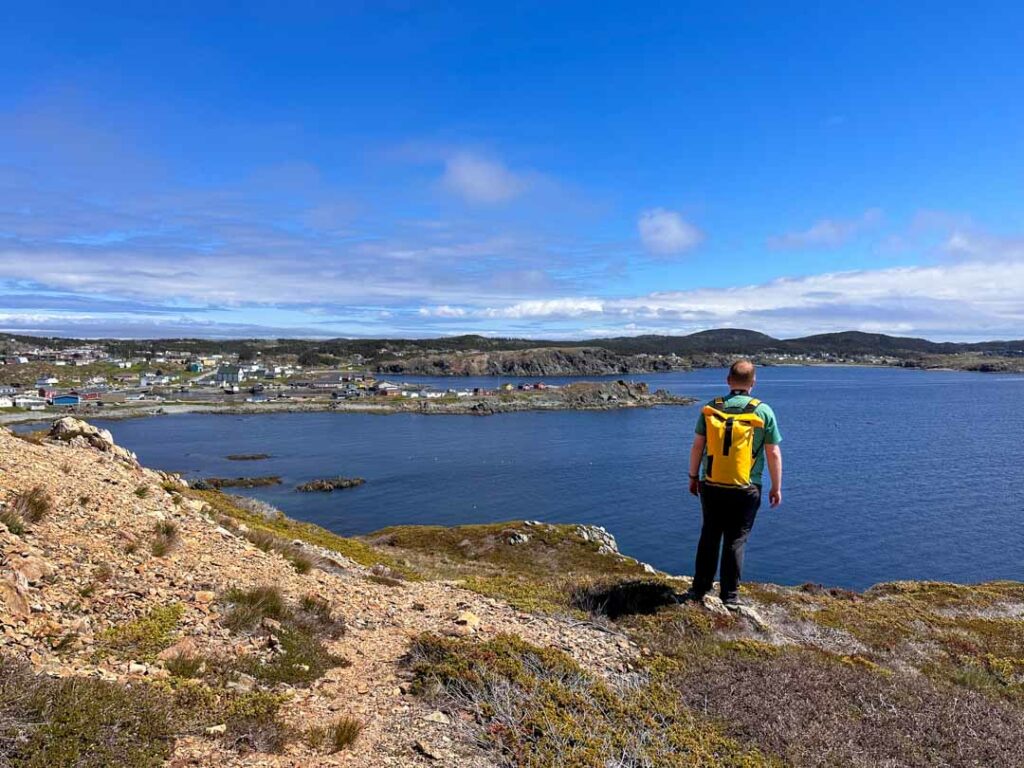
(145, 623)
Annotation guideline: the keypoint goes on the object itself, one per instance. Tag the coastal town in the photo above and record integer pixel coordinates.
(112, 376)
(87, 380)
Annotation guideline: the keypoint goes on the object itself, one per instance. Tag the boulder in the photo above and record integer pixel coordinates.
(71, 430)
(14, 596)
(31, 568)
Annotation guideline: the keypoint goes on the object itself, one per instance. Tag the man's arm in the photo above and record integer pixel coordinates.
(774, 455)
(696, 454)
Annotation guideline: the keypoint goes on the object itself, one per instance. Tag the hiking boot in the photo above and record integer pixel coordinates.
(733, 604)
(689, 596)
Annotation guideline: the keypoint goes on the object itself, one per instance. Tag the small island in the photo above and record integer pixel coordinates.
(217, 483)
(329, 484)
(247, 456)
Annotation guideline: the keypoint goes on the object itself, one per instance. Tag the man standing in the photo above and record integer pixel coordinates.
(733, 436)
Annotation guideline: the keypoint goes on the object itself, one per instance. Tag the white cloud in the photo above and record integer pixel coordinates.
(977, 245)
(666, 233)
(443, 311)
(945, 301)
(478, 179)
(548, 308)
(826, 233)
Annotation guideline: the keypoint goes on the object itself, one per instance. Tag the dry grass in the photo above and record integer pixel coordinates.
(339, 735)
(32, 505)
(165, 538)
(12, 521)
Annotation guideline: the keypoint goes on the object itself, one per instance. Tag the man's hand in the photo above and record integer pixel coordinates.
(775, 497)
(694, 486)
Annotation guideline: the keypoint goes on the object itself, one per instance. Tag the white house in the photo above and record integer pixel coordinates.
(6, 402)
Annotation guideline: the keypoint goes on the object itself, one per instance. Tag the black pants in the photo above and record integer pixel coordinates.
(728, 518)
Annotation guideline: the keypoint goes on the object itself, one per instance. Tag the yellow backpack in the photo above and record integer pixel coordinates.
(730, 442)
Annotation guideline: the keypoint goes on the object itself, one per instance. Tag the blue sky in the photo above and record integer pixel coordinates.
(534, 169)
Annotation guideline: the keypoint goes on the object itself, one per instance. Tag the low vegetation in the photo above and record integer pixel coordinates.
(165, 538)
(33, 505)
(535, 707)
(298, 634)
(536, 567)
(336, 736)
(143, 638)
(78, 722)
(240, 510)
(11, 520)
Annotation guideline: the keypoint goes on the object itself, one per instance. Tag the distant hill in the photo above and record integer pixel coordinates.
(720, 341)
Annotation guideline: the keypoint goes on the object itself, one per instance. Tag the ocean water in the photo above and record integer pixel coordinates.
(889, 474)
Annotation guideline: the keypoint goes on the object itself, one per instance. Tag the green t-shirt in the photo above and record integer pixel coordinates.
(769, 434)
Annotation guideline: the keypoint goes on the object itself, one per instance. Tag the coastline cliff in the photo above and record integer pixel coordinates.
(146, 623)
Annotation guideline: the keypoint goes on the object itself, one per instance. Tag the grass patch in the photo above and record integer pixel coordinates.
(12, 521)
(165, 538)
(339, 735)
(142, 491)
(143, 638)
(298, 632)
(33, 505)
(186, 666)
(250, 607)
(512, 561)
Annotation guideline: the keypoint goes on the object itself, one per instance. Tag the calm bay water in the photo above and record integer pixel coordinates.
(890, 474)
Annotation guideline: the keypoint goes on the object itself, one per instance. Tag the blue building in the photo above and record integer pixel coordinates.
(66, 400)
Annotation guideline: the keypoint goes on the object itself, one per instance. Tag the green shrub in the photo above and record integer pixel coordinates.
(78, 722)
(254, 724)
(142, 491)
(143, 638)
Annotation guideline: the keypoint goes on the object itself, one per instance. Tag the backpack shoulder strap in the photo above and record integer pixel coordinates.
(752, 405)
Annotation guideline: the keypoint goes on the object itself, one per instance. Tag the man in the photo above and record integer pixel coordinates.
(733, 436)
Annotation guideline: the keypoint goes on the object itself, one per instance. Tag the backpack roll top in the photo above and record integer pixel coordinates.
(730, 442)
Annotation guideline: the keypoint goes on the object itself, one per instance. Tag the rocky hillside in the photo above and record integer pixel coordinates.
(145, 623)
(546, 361)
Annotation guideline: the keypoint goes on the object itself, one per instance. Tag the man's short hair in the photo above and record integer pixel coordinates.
(741, 373)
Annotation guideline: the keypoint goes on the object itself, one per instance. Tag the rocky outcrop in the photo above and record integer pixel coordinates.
(545, 361)
(77, 432)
